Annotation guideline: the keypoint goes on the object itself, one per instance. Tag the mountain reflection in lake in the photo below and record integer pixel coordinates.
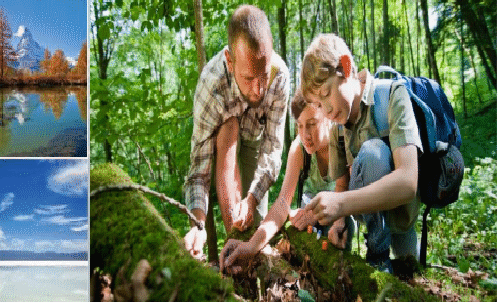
(43, 122)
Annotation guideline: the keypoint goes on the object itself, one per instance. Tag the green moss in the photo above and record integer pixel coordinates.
(126, 228)
(349, 276)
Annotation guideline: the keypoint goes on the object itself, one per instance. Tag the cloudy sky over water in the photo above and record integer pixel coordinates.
(55, 24)
(43, 205)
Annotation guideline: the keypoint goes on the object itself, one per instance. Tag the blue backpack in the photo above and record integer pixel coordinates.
(440, 167)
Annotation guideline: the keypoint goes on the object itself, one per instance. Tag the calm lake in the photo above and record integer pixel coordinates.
(44, 284)
(43, 122)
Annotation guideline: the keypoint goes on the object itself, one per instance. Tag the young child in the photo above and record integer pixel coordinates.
(313, 138)
(383, 179)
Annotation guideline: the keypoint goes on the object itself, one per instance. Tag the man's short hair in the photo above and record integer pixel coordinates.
(251, 24)
(322, 61)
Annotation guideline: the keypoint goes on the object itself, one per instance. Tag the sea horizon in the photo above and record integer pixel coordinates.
(44, 263)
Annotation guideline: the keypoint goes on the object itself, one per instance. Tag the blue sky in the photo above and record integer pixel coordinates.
(55, 24)
(43, 205)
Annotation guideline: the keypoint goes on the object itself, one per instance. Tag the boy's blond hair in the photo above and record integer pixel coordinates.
(322, 61)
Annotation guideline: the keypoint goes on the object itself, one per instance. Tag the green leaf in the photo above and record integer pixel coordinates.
(488, 284)
(463, 264)
(305, 296)
(104, 32)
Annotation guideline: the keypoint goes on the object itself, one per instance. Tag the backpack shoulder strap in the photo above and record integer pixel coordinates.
(382, 92)
(303, 175)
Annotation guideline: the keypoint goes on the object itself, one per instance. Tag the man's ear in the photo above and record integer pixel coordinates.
(229, 61)
(346, 65)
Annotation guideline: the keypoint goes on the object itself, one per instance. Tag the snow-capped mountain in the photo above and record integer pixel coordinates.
(29, 53)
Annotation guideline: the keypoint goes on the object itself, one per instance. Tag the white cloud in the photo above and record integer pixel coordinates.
(61, 220)
(20, 31)
(17, 244)
(61, 246)
(73, 245)
(71, 180)
(7, 201)
(23, 217)
(44, 246)
(80, 228)
(3, 244)
(51, 209)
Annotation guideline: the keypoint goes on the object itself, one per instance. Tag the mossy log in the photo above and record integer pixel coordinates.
(125, 228)
(348, 276)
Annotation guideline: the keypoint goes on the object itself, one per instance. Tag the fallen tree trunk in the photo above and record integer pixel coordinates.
(126, 230)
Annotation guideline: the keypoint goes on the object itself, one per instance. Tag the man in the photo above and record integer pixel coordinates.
(240, 108)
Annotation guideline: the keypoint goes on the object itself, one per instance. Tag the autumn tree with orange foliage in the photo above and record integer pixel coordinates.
(6, 50)
(45, 64)
(58, 65)
(79, 71)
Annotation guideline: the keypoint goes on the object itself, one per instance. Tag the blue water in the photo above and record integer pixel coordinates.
(33, 120)
(44, 284)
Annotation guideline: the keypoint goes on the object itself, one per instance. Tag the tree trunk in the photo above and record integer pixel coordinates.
(104, 50)
(417, 73)
(482, 39)
(462, 70)
(313, 29)
(365, 32)
(199, 36)
(386, 57)
(301, 35)
(372, 30)
(479, 30)
(430, 48)
(333, 17)
(282, 24)
(409, 37)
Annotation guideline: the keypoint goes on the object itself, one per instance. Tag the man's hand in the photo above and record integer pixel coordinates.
(194, 242)
(235, 255)
(338, 233)
(302, 219)
(325, 207)
(243, 216)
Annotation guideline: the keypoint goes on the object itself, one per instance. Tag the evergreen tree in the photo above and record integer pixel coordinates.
(6, 50)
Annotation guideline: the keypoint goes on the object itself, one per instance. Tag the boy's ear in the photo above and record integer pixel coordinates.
(229, 61)
(346, 65)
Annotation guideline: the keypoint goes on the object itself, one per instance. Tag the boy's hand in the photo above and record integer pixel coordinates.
(243, 217)
(302, 219)
(194, 242)
(338, 233)
(325, 207)
(235, 255)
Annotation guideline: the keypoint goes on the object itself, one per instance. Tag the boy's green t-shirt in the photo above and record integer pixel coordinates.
(403, 130)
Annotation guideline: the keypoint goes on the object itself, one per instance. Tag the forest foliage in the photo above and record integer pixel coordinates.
(144, 71)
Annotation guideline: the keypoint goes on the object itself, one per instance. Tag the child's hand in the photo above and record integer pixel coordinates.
(243, 217)
(325, 207)
(235, 255)
(338, 233)
(302, 219)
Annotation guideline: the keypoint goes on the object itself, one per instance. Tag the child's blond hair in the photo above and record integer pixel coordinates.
(322, 61)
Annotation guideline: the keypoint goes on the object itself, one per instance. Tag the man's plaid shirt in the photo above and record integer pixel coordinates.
(216, 101)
